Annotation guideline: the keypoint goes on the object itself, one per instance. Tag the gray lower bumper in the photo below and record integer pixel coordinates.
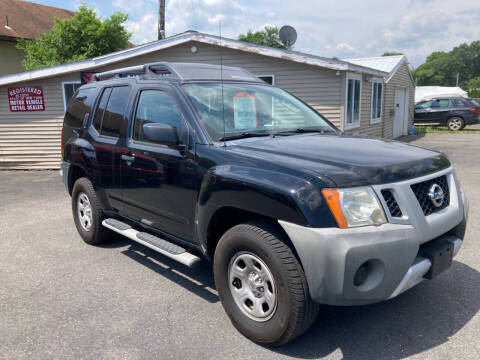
(420, 267)
(331, 257)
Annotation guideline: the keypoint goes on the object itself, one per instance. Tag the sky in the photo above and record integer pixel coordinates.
(345, 29)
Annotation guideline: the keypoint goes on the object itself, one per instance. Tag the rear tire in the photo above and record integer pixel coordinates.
(267, 297)
(87, 213)
(455, 123)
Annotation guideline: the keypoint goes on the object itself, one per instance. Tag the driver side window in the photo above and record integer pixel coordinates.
(423, 105)
(155, 106)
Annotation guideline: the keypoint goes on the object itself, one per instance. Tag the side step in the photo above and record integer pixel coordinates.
(161, 246)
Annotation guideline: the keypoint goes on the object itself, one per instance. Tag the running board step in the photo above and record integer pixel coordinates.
(153, 242)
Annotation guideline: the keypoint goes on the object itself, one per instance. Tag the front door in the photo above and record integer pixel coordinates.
(422, 111)
(400, 120)
(441, 108)
(157, 179)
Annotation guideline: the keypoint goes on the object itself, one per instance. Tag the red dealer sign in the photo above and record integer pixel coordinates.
(26, 98)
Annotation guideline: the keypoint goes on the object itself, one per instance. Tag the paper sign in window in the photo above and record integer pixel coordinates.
(244, 112)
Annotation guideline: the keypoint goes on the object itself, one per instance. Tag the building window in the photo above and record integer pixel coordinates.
(68, 89)
(269, 79)
(353, 101)
(377, 97)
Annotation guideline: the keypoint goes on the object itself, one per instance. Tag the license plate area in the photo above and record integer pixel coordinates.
(440, 253)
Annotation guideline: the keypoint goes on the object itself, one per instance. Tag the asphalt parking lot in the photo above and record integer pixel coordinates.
(63, 299)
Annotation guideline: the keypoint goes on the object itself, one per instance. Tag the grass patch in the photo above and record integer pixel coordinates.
(444, 129)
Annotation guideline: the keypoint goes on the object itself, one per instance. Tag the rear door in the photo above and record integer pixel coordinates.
(158, 179)
(108, 125)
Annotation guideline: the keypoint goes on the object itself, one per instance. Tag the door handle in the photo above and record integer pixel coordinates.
(128, 158)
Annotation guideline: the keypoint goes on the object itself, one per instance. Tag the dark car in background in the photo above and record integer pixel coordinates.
(454, 113)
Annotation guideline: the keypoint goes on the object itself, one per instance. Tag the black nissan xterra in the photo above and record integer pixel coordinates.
(194, 160)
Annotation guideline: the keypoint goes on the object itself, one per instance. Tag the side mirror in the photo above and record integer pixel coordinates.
(160, 134)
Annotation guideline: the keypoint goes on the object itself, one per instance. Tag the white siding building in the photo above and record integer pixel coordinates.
(342, 91)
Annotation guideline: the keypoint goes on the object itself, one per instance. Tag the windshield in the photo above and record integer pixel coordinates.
(251, 109)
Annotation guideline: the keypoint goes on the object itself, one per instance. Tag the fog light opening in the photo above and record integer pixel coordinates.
(369, 275)
(361, 274)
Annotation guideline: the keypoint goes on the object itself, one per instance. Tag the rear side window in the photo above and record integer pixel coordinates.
(109, 116)
(80, 107)
(442, 104)
(155, 106)
(97, 120)
(113, 119)
(461, 103)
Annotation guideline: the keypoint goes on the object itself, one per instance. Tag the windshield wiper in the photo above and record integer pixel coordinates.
(244, 135)
(304, 130)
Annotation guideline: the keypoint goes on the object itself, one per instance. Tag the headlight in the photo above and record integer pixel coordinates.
(354, 207)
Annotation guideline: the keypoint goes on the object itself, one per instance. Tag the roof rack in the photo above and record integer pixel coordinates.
(180, 71)
(155, 70)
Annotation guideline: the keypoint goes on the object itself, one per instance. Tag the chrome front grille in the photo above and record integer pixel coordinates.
(411, 197)
(422, 189)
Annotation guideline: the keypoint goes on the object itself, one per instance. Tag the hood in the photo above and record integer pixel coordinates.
(347, 160)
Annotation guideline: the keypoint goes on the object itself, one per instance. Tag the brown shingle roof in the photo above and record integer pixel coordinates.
(28, 20)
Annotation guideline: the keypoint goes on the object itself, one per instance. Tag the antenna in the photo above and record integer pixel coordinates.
(221, 80)
(161, 20)
(287, 35)
(6, 23)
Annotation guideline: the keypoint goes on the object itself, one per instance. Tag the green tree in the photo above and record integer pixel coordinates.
(83, 36)
(441, 68)
(391, 53)
(473, 87)
(267, 36)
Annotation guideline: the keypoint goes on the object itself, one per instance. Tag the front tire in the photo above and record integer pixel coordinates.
(455, 123)
(261, 284)
(87, 213)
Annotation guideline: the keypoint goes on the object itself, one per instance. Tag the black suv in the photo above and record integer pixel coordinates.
(201, 161)
(454, 113)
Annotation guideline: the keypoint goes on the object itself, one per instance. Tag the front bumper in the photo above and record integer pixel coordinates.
(331, 256)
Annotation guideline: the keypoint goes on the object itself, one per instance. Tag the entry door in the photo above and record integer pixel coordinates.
(400, 120)
(157, 180)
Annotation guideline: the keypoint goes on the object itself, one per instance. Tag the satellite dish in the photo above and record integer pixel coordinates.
(288, 35)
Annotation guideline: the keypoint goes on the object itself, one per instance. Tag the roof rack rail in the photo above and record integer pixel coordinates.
(180, 71)
(120, 73)
(147, 71)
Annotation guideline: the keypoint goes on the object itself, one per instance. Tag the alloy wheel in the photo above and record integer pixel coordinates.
(455, 124)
